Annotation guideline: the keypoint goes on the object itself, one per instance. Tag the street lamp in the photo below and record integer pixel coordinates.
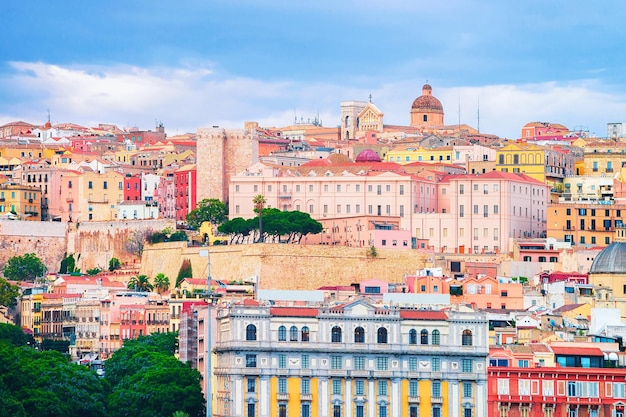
(208, 376)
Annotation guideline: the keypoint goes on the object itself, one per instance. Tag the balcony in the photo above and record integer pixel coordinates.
(436, 400)
(69, 199)
(282, 397)
(92, 200)
(570, 229)
(306, 397)
(414, 399)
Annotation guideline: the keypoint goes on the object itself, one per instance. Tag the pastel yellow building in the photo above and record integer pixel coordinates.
(20, 201)
(407, 154)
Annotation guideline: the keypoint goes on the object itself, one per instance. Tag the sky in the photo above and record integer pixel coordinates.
(495, 65)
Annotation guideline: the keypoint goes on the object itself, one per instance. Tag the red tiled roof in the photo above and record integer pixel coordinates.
(579, 351)
(423, 315)
(294, 312)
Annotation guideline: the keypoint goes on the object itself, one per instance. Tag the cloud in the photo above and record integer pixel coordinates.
(186, 98)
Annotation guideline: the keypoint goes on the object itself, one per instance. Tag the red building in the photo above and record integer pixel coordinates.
(132, 187)
(185, 183)
(133, 321)
(581, 382)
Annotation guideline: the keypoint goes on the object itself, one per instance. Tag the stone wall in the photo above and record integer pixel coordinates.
(283, 266)
(92, 243)
(48, 240)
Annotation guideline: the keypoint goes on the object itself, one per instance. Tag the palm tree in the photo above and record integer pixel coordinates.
(259, 205)
(140, 283)
(161, 282)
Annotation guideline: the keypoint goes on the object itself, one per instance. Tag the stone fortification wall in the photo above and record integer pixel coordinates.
(47, 240)
(280, 266)
(98, 242)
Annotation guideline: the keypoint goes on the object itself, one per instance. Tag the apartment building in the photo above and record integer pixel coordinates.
(353, 359)
(85, 196)
(20, 201)
(584, 222)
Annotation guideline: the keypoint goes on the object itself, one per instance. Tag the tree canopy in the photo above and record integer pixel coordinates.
(24, 268)
(145, 372)
(278, 226)
(209, 210)
(140, 283)
(8, 293)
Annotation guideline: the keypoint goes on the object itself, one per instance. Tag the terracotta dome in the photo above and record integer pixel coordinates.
(367, 155)
(426, 102)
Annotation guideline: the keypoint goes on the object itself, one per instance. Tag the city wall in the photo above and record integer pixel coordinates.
(92, 243)
(283, 266)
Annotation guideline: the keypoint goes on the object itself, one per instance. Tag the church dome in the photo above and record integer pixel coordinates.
(426, 102)
(611, 260)
(367, 155)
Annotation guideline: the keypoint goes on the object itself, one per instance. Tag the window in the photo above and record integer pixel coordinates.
(618, 390)
(282, 410)
(282, 361)
(503, 386)
(467, 365)
(293, 334)
(436, 389)
(337, 386)
(250, 361)
(251, 410)
(105, 185)
(336, 362)
(522, 363)
(412, 337)
(359, 362)
(424, 337)
(435, 364)
(436, 412)
(382, 387)
(467, 412)
(251, 332)
(382, 409)
(304, 334)
(282, 334)
(382, 363)
(360, 411)
(90, 185)
(305, 386)
(336, 334)
(359, 335)
(467, 389)
(69, 184)
(436, 337)
(305, 410)
(382, 335)
(251, 385)
(359, 387)
(466, 338)
(305, 361)
(461, 189)
(412, 363)
(282, 385)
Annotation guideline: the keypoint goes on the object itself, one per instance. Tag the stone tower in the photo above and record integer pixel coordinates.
(350, 111)
(220, 154)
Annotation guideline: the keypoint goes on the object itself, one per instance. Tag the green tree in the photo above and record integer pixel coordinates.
(237, 228)
(208, 210)
(161, 282)
(184, 271)
(140, 283)
(114, 264)
(24, 268)
(62, 346)
(179, 236)
(144, 371)
(68, 265)
(157, 237)
(13, 335)
(259, 204)
(8, 293)
(94, 271)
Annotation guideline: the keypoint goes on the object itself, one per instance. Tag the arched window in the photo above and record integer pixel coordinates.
(251, 332)
(305, 334)
(382, 335)
(282, 333)
(436, 337)
(412, 337)
(293, 334)
(424, 337)
(335, 334)
(359, 335)
(466, 338)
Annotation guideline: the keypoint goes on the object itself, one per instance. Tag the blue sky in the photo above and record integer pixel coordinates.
(200, 63)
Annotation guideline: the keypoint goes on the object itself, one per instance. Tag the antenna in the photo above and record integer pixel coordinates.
(478, 114)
